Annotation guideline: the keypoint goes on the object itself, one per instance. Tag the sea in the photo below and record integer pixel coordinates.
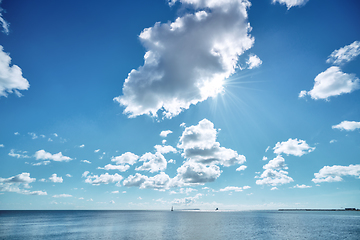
(91, 225)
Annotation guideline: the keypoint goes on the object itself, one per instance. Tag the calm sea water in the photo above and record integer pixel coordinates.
(178, 225)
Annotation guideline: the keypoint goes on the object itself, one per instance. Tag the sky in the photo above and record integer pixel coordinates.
(196, 104)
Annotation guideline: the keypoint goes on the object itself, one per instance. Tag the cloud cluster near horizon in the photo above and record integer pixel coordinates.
(198, 146)
(187, 60)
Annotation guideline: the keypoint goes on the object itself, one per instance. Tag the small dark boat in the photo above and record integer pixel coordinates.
(172, 209)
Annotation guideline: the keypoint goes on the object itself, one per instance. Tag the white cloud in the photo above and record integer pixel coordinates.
(121, 168)
(231, 188)
(33, 135)
(18, 183)
(274, 177)
(241, 168)
(199, 145)
(344, 54)
(333, 141)
(11, 79)
(301, 186)
(159, 181)
(16, 133)
(19, 154)
(97, 150)
(191, 173)
(291, 3)
(113, 192)
(165, 149)
(85, 161)
(347, 125)
(253, 62)
(62, 195)
(165, 133)
(334, 173)
(277, 163)
(55, 179)
(82, 145)
(68, 175)
(102, 179)
(187, 60)
(127, 157)
(274, 188)
(85, 174)
(264, 158)
(186, 201)
(112, 202)
(293, 147)
(58, 157)
(41, 163)
(2, 145)
(152, 162)
(332, 82)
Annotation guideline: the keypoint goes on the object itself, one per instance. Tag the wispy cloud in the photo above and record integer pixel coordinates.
(291, 3)
(344, 54)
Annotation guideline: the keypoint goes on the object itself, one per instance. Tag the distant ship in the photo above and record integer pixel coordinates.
(216, 209)
(172, 208)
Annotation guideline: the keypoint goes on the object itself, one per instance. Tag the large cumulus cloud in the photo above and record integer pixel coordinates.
(187, 60)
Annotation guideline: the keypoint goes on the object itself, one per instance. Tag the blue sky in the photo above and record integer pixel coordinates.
(194, 104)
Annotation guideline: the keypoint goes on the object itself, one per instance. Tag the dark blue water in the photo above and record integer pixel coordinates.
(178, 225)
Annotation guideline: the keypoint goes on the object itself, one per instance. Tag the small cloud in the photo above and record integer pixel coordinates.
(81, 146)
(58, 157)
(267, 149)
(336, 172)
(253, 61)
(344, 54)
(42, 135)
(62, 196)
(16, 133)
(112, 202)
(33, 135)
(264, 158)
(85, 161)
(241, 168)
(115, 192)
(68, 175)
(333, 141)
(97, 150)
(274, 188)
(165, 133)
(50, 140)
(291, 3)
(139, 198)
(332, 82)
(55, 134)
(55, 179)
(301, 186)
(123, 191)
(81, 198)
(347, 125)
(293, 147)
